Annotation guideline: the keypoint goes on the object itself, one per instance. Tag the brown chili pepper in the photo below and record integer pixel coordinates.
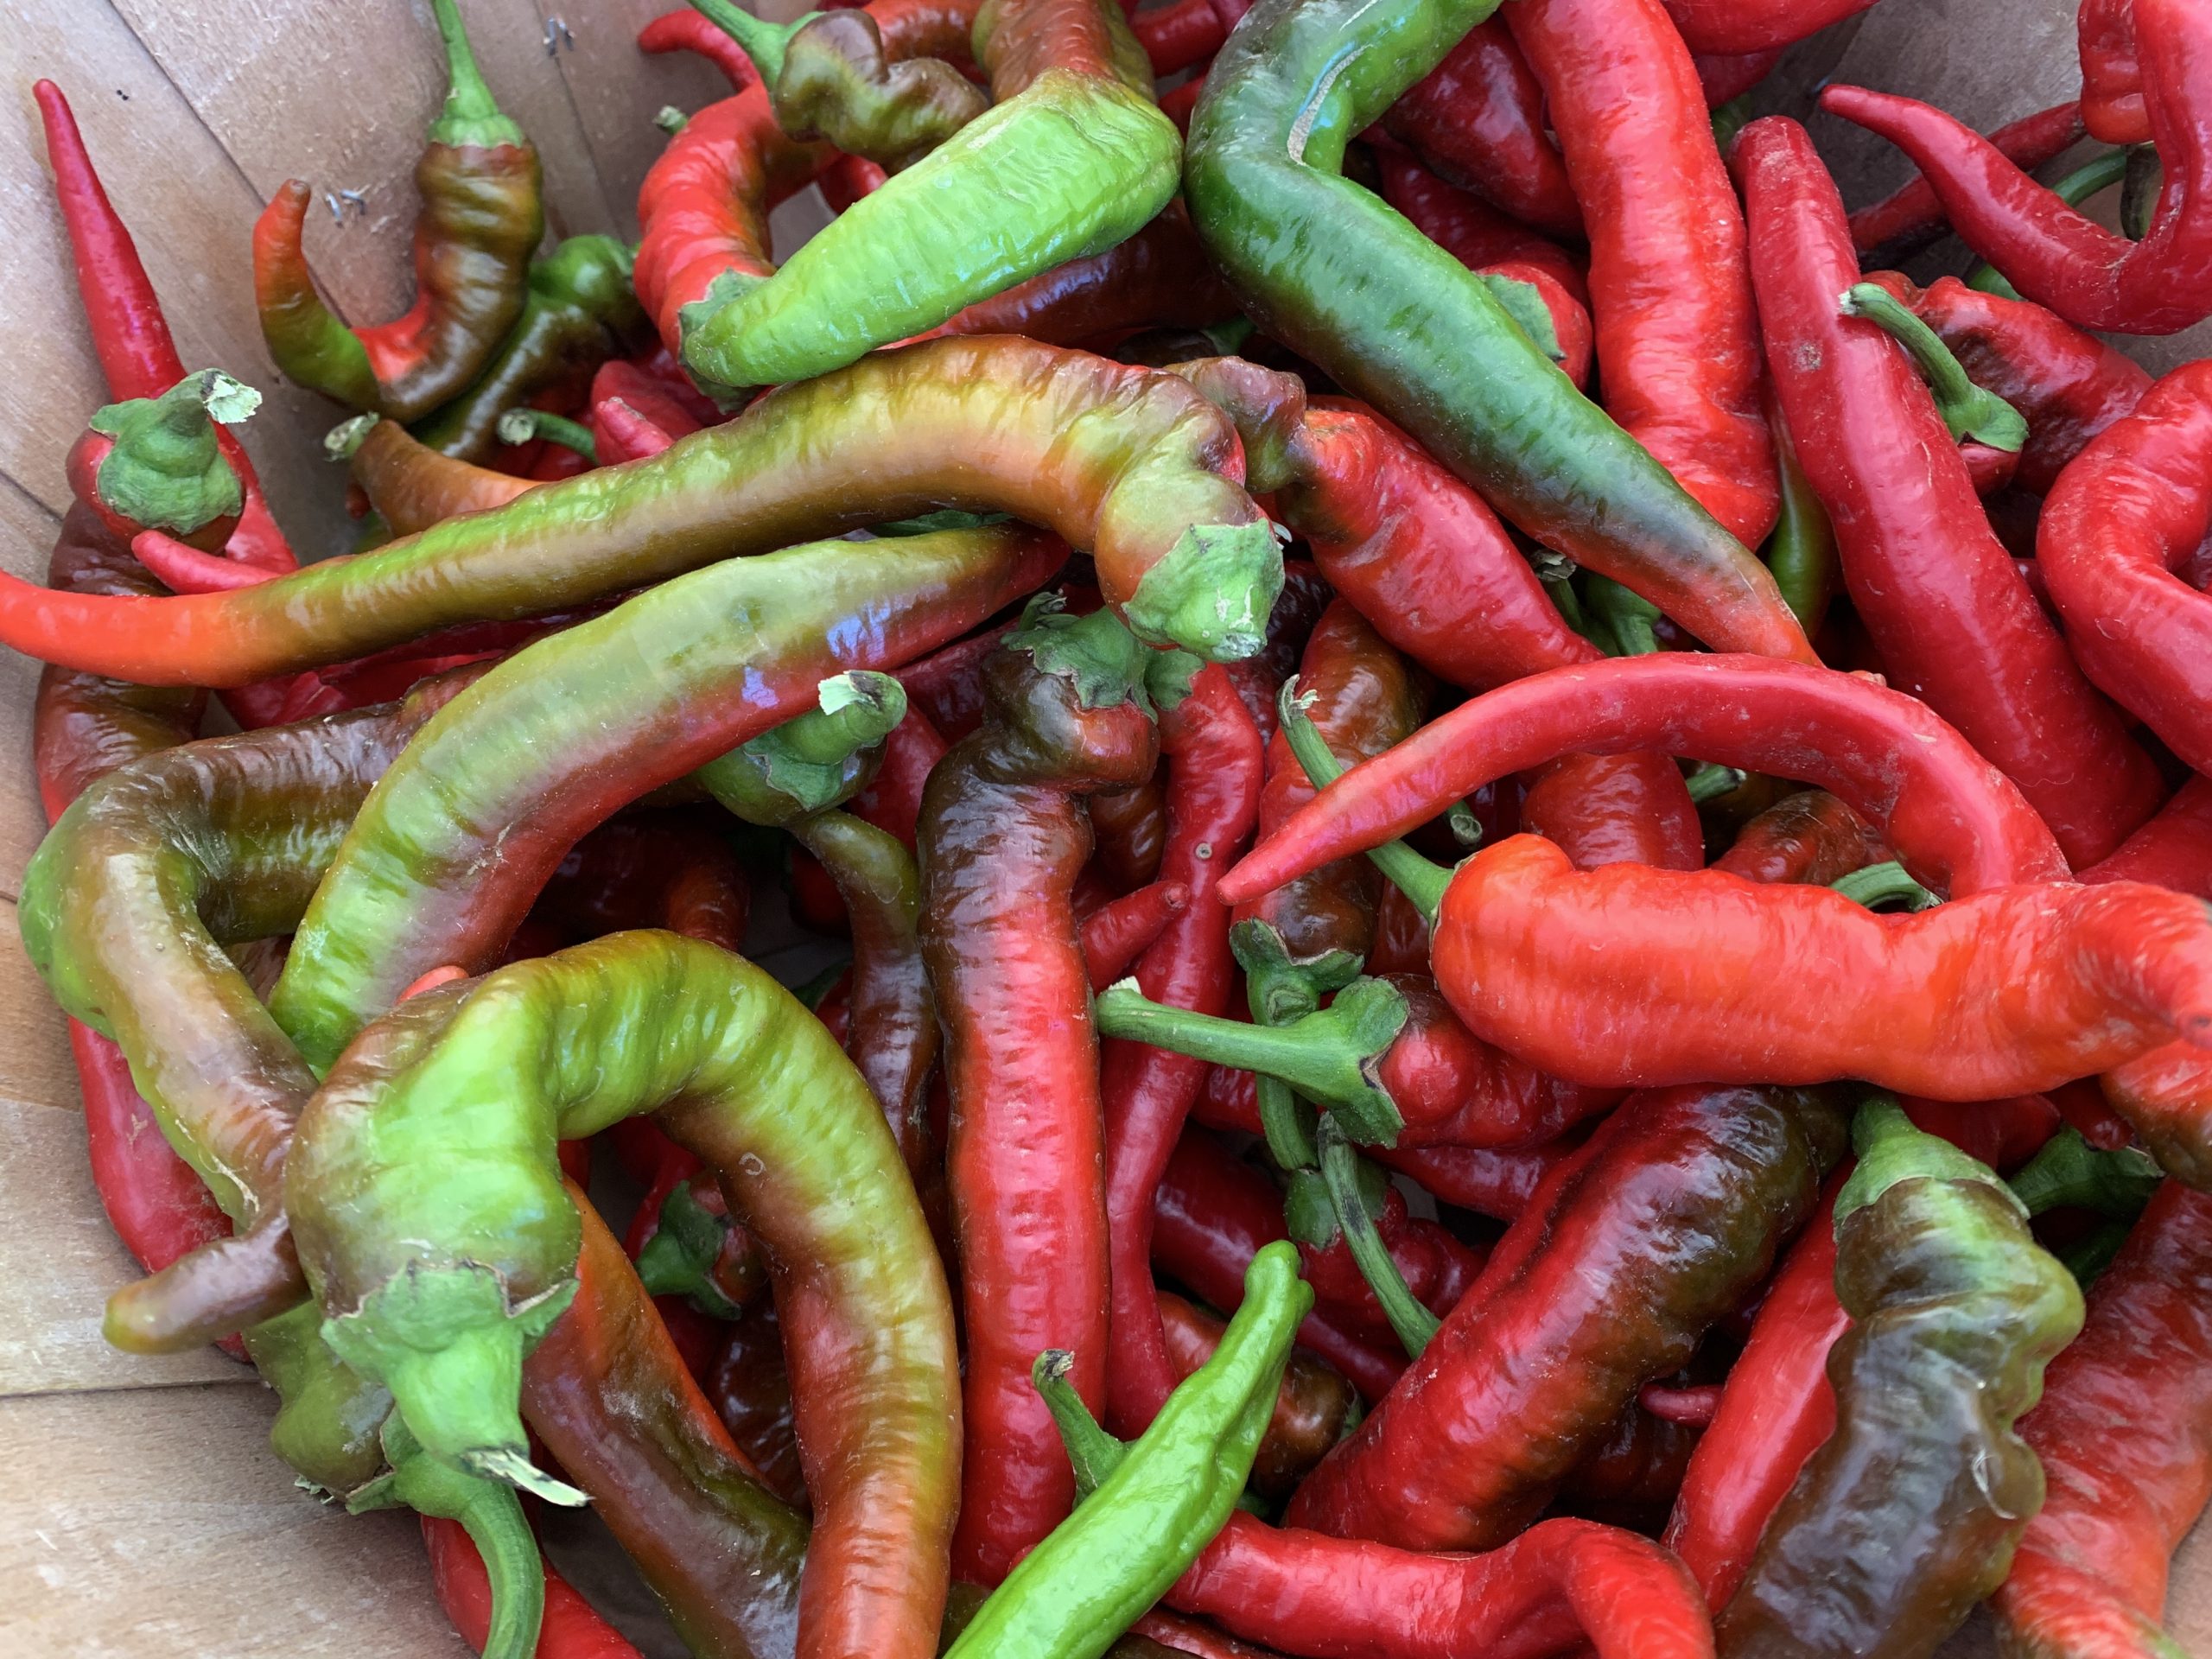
(411, 486)
(1810, 837)
(752, 1392)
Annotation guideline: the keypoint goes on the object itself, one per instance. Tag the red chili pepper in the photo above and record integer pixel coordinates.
(2173, 850)
(750, 1387)
(621, 434)
(1934, 587)
(690, 31)
(1499, 1185)
(1606, 808)
(1436, 1267)
(2094, 278)
(569, 1628)
(2112, 104)
(1810, 837)
(2002, 1134)
(1179, 35)
(1177, 103)
(1482, 239)
(1671, 286)
(2135, 505)
(652, 397)
(947, 685)
(1160, 277)
(1478, 118)
(1737, 26)
(848, 178)
(1117, 933)
(1901, 224)
(1726, 78)
(1128, 828)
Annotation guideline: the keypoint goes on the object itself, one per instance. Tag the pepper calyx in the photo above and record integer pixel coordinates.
(165, 470)
(1891, 1149)
(1106, 663)
(1212, 592)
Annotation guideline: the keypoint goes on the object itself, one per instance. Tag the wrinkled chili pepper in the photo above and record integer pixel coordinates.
(992, 424)
(1311, 1409)
(2125, 1445)
(2121, 519)
(2114, 106)
(1664, 1220)
(1892, 230)
(481, 219)
(1332, 273)
(440, 1272)
(1072, 109)
(2053, 254)
(1500, 1185)
(1671, 288)
(620, 433)
(1938, 594)
(1478, 118)
(1954, 1312)
(1002, 837)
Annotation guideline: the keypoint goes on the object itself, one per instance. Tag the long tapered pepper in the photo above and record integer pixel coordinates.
(1214, 771)
(1893, 229)
(741, 647)
(1951, 617)
(1955, 1313)
(1127, 463)
(1333, 273)
(2173, 850)
(1091, 159)
(411, 486)
(1478, 118)
(1670, 288)
(1121, 930)
(481, 220)
(442, 1247)
(2118, 523)
(1671, 1211)
(2094, 278)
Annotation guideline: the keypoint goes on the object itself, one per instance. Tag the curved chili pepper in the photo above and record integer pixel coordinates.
(2053, 254)
(1072, 103)
(481, 220)
(1478, 118)
(2173, 850)
(2114, 106)
(2125, 1445)
(1159, 277)
(1634, 1473)
(569, 1630)
(1179, 35)
(892, 801)
(411, 486)
(1002, 837)
(1332, 273)
(1312, 1406)
(655, 387)
(1935, 588)
(1486, 241)
(1899, 225)
(1434, 1267)
(1954, 1312)
(620, 433)
(689, 31)
(2135, 506)
(991, 424)
(386, 911)
(1810, 837)
(1671, 288)
(2070, 385)
(1128, 833)
(1117, 933)
(439, 1284)
(1658, 1226)
(1735, 26)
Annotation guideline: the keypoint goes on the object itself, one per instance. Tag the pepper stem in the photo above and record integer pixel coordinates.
(1891, 1149)
(1969, 411)
(807, 763)
(1279, 989)
(165, 470)
(471, 118)
(1884, 884)
(2070, 1172)
(521, 425)
(1095, 1453)
(2097, 174)
(680, 1259)
(1340, 1173)
(761, 40)
(1712, 780)
(1421, 879)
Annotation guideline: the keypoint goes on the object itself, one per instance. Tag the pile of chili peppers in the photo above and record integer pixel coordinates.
(1516, 852)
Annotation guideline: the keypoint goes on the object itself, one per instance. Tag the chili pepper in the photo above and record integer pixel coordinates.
(1478, 118)
(2092, 178)
(1802, 552)
(131, 335)
(2114, 105)
(1002, 835)
(1939, 595)
(1179, 35)
(2070, 385)
(2124, 1446)
(527, 425)
(620, 433)
(481, 220)
(688, 31)
(2067, 1173)
(1058, 68)
(441, 1267)
(1604, 808)
(1116, 934)
(828, 77)
(2173, 850)
(1724, 78)
(1146, 1508)
(1333, 274)
(663, 870)
(1656, 1228)
(891, 801)
(752, 1392)
(2093, 277)
(2135, 504)
(1159, 276)
(1809, 837)
(1670, 287)
(1632, 1475)
(1312, 1409)
(1432, 1264)
(994, 424)
(569, 1628)
(155, 462)
(1175, 1634)
(1486, 241)
(411, 486)
(577, 311)
(578, 740)
(656, 386)
(1129, 832)
(1500, 1185)
(1954, 1312)
(1974, 415)
(1739, 26)
(1893, 229)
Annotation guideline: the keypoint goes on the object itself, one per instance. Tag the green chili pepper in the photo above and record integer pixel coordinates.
(1148, 1508)
(1329, 269)
(1908, 1516)
(1802, 552)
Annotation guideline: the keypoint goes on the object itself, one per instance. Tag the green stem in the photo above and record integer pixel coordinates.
(521, 425)
(1892, 1148)
(1711, 781)
(2091, 1254)
(1969, 411)
(2139, 191)
(165, 468)
(1730, 119)
(1095, 1453)
(1883, 884)
(471, 118)
(1629, 615)
(1421, 879)
(807, 763)
(2097, 174)
(1340, 1169)
(762, 41)
(2069, 1172)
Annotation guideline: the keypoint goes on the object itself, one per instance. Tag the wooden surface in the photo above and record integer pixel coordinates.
(142, 1514)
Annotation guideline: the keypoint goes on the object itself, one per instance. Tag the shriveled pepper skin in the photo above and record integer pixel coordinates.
(424, 1168)
(514, 771)
(1003, 837)
(1129, 464)
(2133, 508)
(1323, 266)
(2126, 1443)
(1908, 1516)
(1952, 620)
(1478, 118)
(1671, 1213)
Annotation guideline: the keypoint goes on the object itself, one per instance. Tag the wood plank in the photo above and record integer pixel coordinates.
(35, 1069)
(160, 1524)
(26, 533)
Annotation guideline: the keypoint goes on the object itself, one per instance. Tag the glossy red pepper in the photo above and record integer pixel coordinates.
(2173, 850)
(1479, 119)
(1129, 827)
(1499, 1185)
(569, 1630)
(1670, 287)
(1725, 78)
(1737, 26)
(1901, 223)
(689, 31)
(1118, 932)
(1180, 35)
(1809, 836)
(1160, 277)
(2112, 104)
(1938, 594)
